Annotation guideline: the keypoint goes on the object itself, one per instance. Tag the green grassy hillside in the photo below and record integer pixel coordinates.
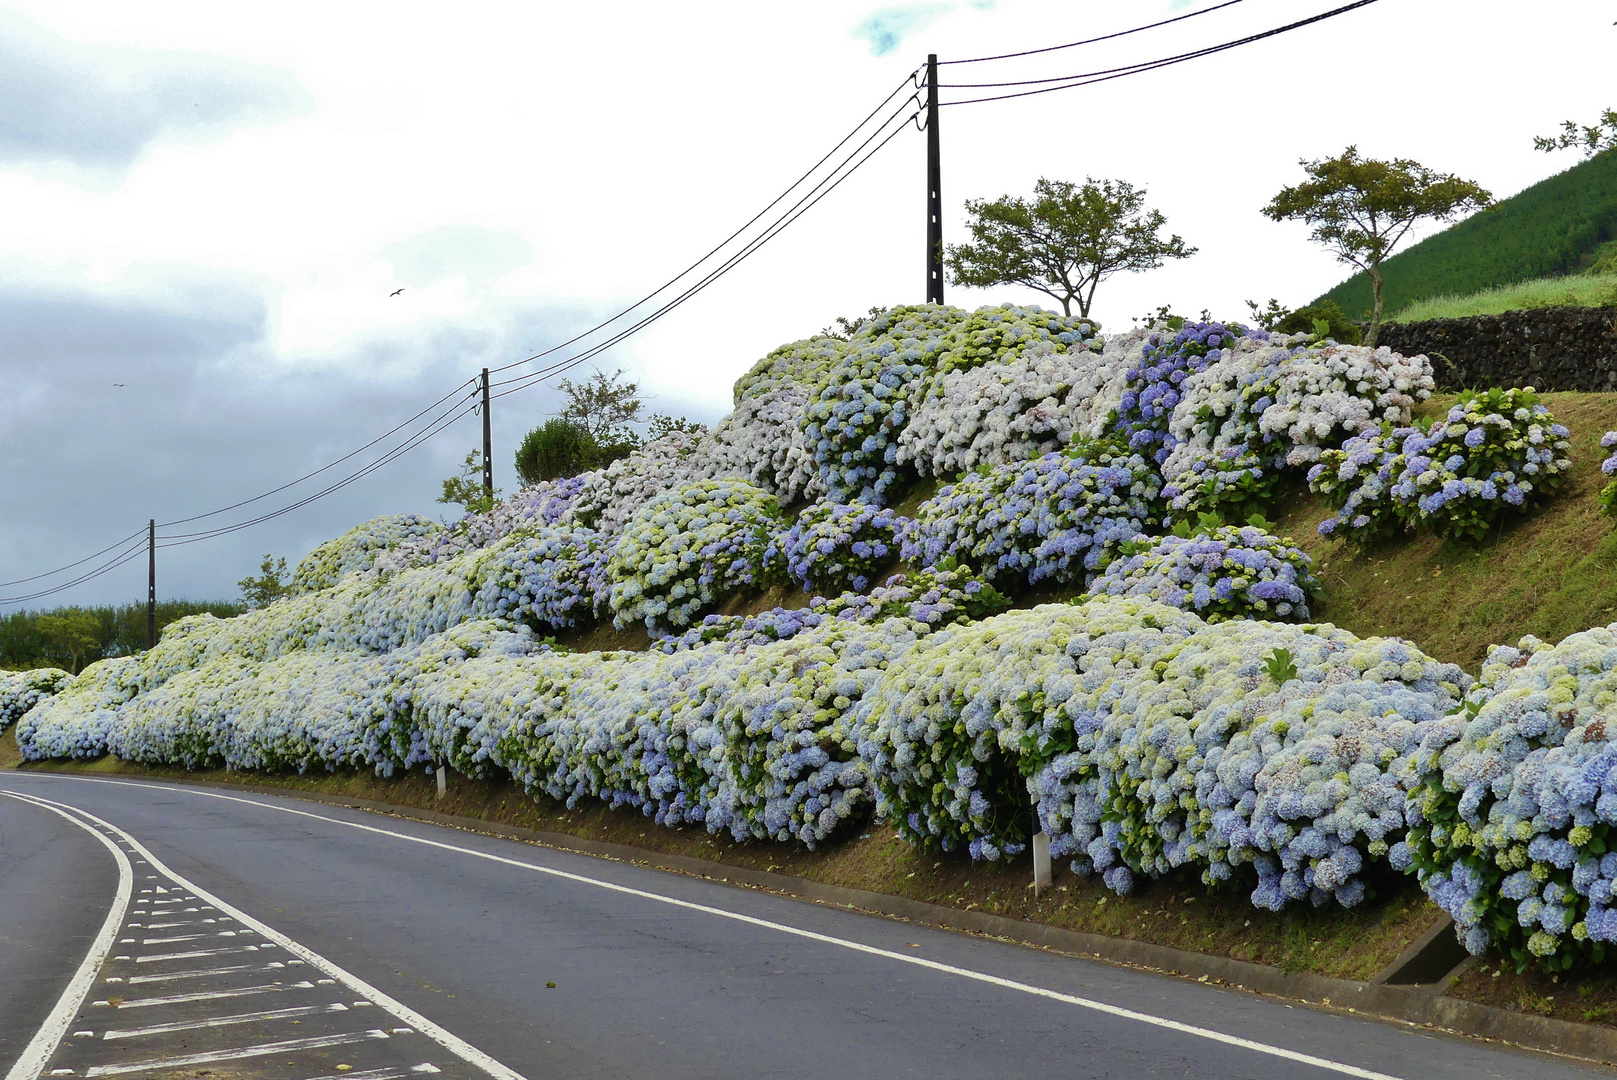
(1553, 227)
(1572, 290)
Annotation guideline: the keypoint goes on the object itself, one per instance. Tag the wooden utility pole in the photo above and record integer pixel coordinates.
(488, 445)
(934, 189)
(151, 583)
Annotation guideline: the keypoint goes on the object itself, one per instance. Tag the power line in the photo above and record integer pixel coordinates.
(1093, 40)
(907, 80)
(71, 565)
(90, 575)
(443, 421)
(321, 469)
(798, 209)
(438, 425)
(1068, 82)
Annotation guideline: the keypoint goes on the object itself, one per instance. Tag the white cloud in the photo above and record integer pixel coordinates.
(99, 108)
(887, 28)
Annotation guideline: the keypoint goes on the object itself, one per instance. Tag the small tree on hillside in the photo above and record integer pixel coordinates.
(1599, 139)
(466, 489)
(605, 406)
(1064, 242)
(269, 586)
(1361, 209)
(555, 449)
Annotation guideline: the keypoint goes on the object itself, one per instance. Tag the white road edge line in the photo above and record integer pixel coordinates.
(39, 1049)
(856, 946)
(449, 1041)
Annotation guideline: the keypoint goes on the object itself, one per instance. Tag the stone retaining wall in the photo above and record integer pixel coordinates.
(1547, 349)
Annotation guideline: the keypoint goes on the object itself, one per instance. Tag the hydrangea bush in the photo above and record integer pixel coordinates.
(1271, 402)
(1156, 378)
(1608, 494)
(762, 441)
(1328, 392)
(1496, 451)
(1242, 744)
(74, 722)
(858, 411)
(1512, 803)
(954, 730)
(547, 503)
(934, 597)
(798, 364)
(1059, 517)
(22, 690)
(610, 497)
(1034, 397)
(1234, 572)
(1145, 740)
(837, 547)
(357, 549)
(689, 548)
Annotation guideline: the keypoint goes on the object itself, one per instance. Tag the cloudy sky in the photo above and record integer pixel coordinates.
(209, 206)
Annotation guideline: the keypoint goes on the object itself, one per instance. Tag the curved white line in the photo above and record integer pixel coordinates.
(39, 1049)
(449, 1041)
(950, 969)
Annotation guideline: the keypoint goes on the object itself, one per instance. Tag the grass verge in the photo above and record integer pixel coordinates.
(1585, 997)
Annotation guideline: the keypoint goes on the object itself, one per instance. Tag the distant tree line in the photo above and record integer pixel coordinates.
(75, 637)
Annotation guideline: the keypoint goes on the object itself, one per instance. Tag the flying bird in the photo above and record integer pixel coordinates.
(119, 384)
(394, 293)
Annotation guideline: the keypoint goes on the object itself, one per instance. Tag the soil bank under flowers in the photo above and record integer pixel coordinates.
(1549, 573)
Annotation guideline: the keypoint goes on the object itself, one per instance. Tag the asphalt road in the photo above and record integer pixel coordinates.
(402, 941)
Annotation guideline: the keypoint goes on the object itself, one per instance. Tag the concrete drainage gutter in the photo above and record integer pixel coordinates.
(1410, 990)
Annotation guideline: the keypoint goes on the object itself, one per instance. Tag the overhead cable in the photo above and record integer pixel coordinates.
(1093, 40)
(1068, 82)
(909, 79)
(801, 207)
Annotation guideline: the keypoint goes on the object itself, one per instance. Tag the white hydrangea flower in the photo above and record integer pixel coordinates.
(357, 549)
(1013, 384)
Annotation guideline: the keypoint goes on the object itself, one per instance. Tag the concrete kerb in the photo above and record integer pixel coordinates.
(1418, 1005)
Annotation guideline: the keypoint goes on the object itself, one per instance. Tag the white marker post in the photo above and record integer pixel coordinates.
(443, 786)
(1041, 862)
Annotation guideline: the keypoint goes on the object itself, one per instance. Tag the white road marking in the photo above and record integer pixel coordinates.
(43, 1044)
(195, 953)
(393, 1073)
(172, 975)
(167, 925)
(226, 1021)
(1118, 1011)
(215, 995)
(286, 1046)
(449, 1041)
(171, 940)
